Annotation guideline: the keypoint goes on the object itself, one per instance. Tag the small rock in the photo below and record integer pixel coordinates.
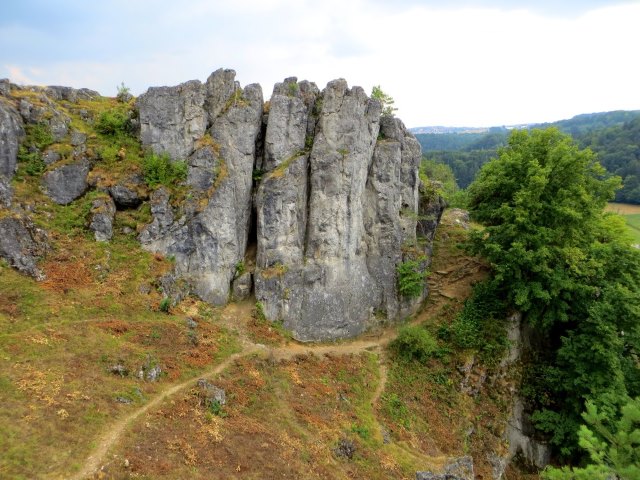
(127, 194)
(126, 463)
(119, 369)
(124, 400)
(153, 374)
(78, 138)
(127, 230)
(242, 286)
(144, 289)
(210, 394)
(458, 469)
(51, 156)
(22, 244)
(102, 215)
(345, 449)
(191, 323)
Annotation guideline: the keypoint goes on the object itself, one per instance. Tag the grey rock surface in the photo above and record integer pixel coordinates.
(458, 469)
(208, 240)
(6, 192)
(172, 118)
(103, 212)
(332, 222)
(66, 183)
(210, 394)
(335, 207)
(242, 286)
(22, 244)
(11, 132)
(50, 157)
(130, 192)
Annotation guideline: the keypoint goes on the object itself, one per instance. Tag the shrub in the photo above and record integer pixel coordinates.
(160, 170)
(414, 343)
(114, 122)
(165, 303)
(411, 277)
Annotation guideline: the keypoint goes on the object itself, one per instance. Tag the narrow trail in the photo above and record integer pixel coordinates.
(111, 436)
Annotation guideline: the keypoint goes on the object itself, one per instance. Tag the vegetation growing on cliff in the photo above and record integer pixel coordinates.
(567, 265)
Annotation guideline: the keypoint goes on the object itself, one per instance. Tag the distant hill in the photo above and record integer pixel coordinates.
(614, 136)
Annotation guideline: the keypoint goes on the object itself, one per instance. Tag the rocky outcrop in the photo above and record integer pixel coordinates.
(336, 211)
(209, 238)
(336, 207)
(11, 132)
(22, 244)
(66, 183)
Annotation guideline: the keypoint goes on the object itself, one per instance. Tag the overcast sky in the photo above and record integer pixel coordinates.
(458, 63)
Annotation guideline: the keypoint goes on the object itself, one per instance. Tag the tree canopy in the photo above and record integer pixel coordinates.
(567, 266)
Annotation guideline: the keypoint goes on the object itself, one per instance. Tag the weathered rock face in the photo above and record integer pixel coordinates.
(336, 209)
(333, 221)
(207, 241)
(66, 183)
(11, 132)
(21, 244)
(6, 192)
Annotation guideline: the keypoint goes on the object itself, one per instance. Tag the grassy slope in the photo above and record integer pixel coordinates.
(285, 414)
(631, 214)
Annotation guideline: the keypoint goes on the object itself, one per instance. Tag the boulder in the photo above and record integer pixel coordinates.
(22, 244)
(103, 212)
(11, 132)
(66, 183)
(130, 192)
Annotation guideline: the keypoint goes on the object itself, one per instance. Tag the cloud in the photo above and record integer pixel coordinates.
(474, 66)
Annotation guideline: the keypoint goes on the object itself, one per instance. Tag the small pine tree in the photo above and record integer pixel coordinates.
(388, 110)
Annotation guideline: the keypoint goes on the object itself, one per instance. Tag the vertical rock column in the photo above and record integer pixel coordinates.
(281, 200)
(391, 211)
(214, 128)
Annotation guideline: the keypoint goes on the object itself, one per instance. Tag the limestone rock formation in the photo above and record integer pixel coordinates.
(11, 132)
(457, 469)
(209, 239)
(333, 221)
(336, 199)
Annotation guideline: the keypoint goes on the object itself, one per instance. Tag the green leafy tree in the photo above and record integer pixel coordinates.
(385, 100)
(614, 452)
(567, 266)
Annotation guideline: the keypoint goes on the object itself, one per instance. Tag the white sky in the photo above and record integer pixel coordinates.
(473, 63)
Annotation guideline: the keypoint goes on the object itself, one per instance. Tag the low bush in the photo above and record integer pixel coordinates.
(160, 170)
(414, 343)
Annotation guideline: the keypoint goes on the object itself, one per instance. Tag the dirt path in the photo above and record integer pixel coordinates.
(111, 436)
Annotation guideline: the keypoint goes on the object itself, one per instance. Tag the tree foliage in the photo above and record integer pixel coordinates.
(614, 451)
(559, 259)
(385, 100)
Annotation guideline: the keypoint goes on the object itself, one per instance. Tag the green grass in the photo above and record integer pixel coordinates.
(633, 224)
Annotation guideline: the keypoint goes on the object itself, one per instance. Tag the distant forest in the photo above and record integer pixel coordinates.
(613, 136)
